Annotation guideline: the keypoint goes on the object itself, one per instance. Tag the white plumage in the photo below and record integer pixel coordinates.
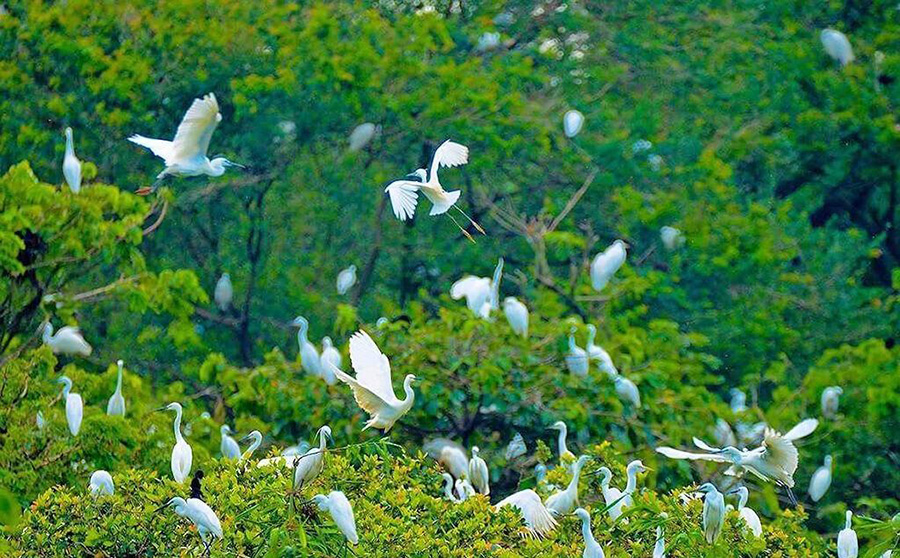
(577, 358)
(847, 542)
(309, 356)
(71, 164)
(837, 46)
(612, 496)
(478, 473)
(224, 292)
(517, 315)
(450, 455)
(448, 487)
(101, 484)
(257, 437)
(659, 549)
(200, 514)
(362, 135)
(820, 481)
(311, 463)
(628, 391)
(713, 512)
(116, 404)
(538, 519)
(67, 341)
(565, 456)
(572, 123)
(607, 263)
(182, 455)
(74, 406)
(599, 354)
(566, 500)
(329, 359)
(341, 512)
(591, 547)
(631, 473)
(481, 293)
(748, 515)
(831, 399)
(228, 446)
(346, 279)
(40, 421)
(516, 447)
(671, 237)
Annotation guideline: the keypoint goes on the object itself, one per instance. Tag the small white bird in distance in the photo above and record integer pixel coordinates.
(577, 358)
(516, 447)
(738, 401)
(748, 515)
(599, 354)
(74, 405)
(628, 391)
(66, 341)
(330, 358)
(257, 437)
(482, 294)
(713, 512)
(613, 497)
(224, 292)
(566, 500)
(659, 549)
(847, 542)
(39, 419)
(607, 263)
(516, 315)
(101, 484)
(116, 404)
(228, 446)
(346, 279)
(341, 512)
(362, 135)
(450, 455)
(837, 46)
(182, 455)
(311, 463)
(671, 237)
(478, 473)
(538, 519)
(404, 193)
(200, 514)
(572, 123)
(820, 481)
(565, 456)
(591, 546)
(831, 400)
(448, 487)
(309, 356)
(372, 386)
(185, 155)
(71, 164)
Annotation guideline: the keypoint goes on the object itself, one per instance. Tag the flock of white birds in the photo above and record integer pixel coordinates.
(773, 456)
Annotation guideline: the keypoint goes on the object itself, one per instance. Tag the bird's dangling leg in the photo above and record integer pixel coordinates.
(476, 225)
(790, 494)
(464, 231)
(146, 190)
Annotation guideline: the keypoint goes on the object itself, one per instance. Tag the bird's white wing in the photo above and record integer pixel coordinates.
(404, 197)
(538, 518)
(679, 454)
(196, 128)
(373, 371)
(160, 148)
(780, 452)
(803, 429)
(448, 154)
(465, 286)
(367, 400)
(703, 445)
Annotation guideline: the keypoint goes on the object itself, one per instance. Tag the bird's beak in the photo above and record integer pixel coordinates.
(160, 409)
(245, 438)
(238, 165)
(161, 508)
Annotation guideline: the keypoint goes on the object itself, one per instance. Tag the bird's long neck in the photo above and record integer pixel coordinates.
(592, 333)
(70, 144)
(257, 440)
(632, 481)
(410, 394)
(67, 387)
(576, 473)
(301, 336)
(322, 441)
(572, 345)
(561, 443)
(119, 381)
(849, 522)
(586, 532)
(48, 333)
(742, 500)
(177, 425)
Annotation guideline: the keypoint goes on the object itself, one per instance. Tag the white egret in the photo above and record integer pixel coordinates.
(66, 341)
(611, 495)
(837, 46)
(182, 455)
(478, 473)
(448, 487)
(671, 237)
(74, 406)
(488, 41)
(831, 399)
(540, 473)
(311, 463)
(573, 120)
(516, 315)
(346, 279)
(565, 456)
(362, 135)
(566, 500)
(820, 481)
(309, 356)
(598, 354)
(224, 292)
(591, 546)
(372, 387)
(723, 434)
(257, 438)
(341, 512)
(538, 519)
(713, 512)
(516, 447)
(201, 515)
(847, 543)
(101, 484)
(39, 419)
(464, 489)
(738, 401)
(631, 473)
(659, 549)
(298, 449)
(628, 391)
(607, 263)
(748, 515)
(450, 455)
(71, 164)
(329, 358)
(185, 155)
(404, 193)
(116, 404)
(482, 294)
(228, 446)
(577, 358)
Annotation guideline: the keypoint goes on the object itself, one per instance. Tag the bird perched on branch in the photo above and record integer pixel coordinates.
(538, 519)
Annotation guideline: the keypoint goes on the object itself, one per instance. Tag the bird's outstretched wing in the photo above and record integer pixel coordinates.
(448, 154)
(196, 128)
(373, 370)
(537, 518)
(703, 445)
(679, 454)
(803, 429)
(404, 197)
(780, 452)
(367, 400)
(160, 148)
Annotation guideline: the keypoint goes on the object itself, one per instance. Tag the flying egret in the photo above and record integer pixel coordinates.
(71, 164)
(607, 263)
(309, 356)
(576, 358)
(182, 455)
(404, 193)
(329, 358)
(566, 500)
(346, 279)
(516, 315)
(482, 294)
(479, 474)
(66, 341)
(116, 404)
(738, 401)
(341, 512)
(201, 515)
(659, 549)
(228, 446)
(565, 456)
(538, 519)
(748, 515)
(311, 463)
(820, 481)
(185, 155)
(713, 512)
(362, 135)
(671, 237)
(591, 546)
(611, 495)
(847, 543)
(224, 292)
(831, 399)
(572, 123)
(372, 387)
(516, 447)
(628, 391)
(448, 487)
(74, 405)
(450, 455)
(837, 46)
(101, 484)
(39, 419)
(631, 473)
(597, 353)
(257, 438)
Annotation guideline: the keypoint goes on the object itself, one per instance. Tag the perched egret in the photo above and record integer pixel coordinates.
(464, 489)
(201, 515)
(837, 46)
(659, 549)
(362, 135)
(607, 263)
(748, 515)
(448, 487)
(341, 512)
(479, 474)
(671, 237)
(450, 455)
(404, 193)
(516, 447)
(591, 546)
(566, 500)
(577, 358)
(329, 358)
(228, 446)
(311, 463)
(628, 391)
(372, 387)
(820, 481)
(71, 164)
(847, 543)
(611, 495)
(538, 519)
(309, 356)
(598, 354)
(67, 341)
(346, 279)
(516, 315)
(257, 437)
(101, 484)
(74, 406)
(713, 512)
(723, 434)
(182, 456)
(572, 123)
(831, 399)
(224, 292)
(116, 404)
(565, 456)
(738, 401)
(39, 419)
(482, 294)
(186, 154)
(631, 473)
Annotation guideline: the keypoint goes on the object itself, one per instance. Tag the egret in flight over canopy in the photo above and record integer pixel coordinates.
(66, 341)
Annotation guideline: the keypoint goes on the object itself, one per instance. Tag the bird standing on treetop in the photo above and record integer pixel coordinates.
(565, 456)
(837, 46)
(228, 446)
(847, 542)
(516, 315)
(200, 514)
(591, 546)
(116, 404)
(831, 399)
(257, 437)
(598, 354)
(713, 512)
(341, 512)
(346, 279)
(566, 500)
(538, 518)
(748, 515)
(310, 464)
(577, 358)
(611, 495)
(631, 473)
(71, 164)
(309, 356)
(330, 357)
(74, 406)
(182, 455)
(478, 473)
(820, 481)
(607, 263)
(224, 292)
(101, 484)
